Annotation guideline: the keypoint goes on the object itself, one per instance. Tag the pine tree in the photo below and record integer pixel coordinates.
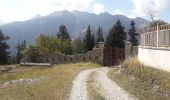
(4, 54)
(133, 35)
(92, 41)
(88, 40)
(116, 37)
(20, 47)
(99, 35)
(109, 38)
(63, 33)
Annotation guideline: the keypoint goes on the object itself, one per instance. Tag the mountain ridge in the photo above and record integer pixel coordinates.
(75, 21)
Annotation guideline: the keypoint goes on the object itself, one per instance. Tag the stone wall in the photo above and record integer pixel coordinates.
(101, 55)
(130, 51)
(95, 56)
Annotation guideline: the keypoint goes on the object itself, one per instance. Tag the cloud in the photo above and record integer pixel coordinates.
(162, 5)
(98, 8)
(58, 5)
(140, 7)
(25, 9)
(117, 11)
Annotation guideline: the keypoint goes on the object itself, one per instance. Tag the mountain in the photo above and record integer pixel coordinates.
(75, 21)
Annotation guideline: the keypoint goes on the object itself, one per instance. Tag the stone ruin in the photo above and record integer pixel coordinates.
(101, 55)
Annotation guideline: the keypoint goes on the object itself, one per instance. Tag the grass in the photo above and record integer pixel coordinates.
(93, 91)
(55, 86)
(144, 82)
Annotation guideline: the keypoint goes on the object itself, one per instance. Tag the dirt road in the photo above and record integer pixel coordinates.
(108, 88)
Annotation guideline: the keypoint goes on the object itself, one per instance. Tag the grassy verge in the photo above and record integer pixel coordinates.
(144, 82)
(93, 90)
(55, 86)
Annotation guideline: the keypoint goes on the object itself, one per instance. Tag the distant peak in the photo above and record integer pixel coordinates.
(37, 16)
(105, 13)
(59, 13)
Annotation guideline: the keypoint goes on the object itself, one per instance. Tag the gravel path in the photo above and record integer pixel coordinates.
(79, 89)
(108, 88)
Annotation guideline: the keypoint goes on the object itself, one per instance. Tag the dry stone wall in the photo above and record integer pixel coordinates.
(95, 56)
(101, 55)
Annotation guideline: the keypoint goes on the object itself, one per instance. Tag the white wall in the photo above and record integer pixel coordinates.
(155, 57)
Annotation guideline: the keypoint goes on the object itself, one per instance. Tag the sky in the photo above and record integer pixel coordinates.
(19, 10)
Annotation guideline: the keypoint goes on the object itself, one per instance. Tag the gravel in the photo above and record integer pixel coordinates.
(14, 82)
(79, 88)
(108, 88)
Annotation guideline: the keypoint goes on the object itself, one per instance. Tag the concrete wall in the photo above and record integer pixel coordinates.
(156, 57)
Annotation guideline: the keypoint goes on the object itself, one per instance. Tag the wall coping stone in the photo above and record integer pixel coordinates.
(155, 48)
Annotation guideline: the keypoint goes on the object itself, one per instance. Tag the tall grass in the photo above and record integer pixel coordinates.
(55, 86)
(144, 82)
(151, 76)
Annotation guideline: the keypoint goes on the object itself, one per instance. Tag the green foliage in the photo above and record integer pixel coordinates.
(48, 44)
(63, 33)
(133, 34)
(89, 41)
(78, 46)
(4, 54)
(116, 37)
(66, 47)
(20, 47)
(159, 22)
(99, 35)
(32, 52)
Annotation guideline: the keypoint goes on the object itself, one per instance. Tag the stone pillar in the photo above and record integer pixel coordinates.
(157, 39)
(100, 45)
(128, 50)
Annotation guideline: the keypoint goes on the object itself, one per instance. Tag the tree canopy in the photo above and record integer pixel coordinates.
(116, 37)
(78, 46)
(159, 22)
(4, 54)
(89, 40)
(20, 47)
(63, 33)
(133, 35)
(99, 35)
